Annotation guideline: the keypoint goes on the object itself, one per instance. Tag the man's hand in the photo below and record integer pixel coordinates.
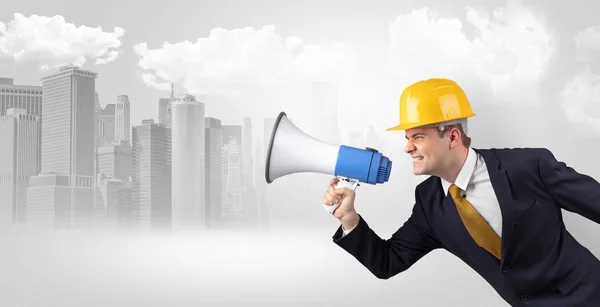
(345, 213)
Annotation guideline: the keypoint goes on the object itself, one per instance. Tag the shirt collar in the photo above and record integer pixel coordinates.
(464, 176)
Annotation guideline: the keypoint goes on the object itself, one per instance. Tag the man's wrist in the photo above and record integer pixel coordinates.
(350, 221)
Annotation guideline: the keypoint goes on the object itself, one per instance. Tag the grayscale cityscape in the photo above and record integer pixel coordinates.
(71, 161)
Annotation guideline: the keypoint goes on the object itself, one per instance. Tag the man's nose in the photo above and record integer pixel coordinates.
(409, 147)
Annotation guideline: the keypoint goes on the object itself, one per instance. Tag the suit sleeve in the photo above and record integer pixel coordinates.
(572, 191)
(386, 258)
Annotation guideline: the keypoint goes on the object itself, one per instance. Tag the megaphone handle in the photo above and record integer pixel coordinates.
(343, 182)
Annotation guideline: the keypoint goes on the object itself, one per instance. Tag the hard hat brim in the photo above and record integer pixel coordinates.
(402, 127)
(398, 128)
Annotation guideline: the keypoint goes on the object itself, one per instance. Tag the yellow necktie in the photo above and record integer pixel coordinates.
(479, 229)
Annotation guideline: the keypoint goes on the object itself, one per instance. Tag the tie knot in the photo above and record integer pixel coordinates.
(455, 191)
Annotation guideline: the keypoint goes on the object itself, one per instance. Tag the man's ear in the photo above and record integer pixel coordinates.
(454, 135)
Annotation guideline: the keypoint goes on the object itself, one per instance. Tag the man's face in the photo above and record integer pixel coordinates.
(427, 149)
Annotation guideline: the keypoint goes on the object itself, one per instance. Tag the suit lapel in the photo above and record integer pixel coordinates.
(501, 185)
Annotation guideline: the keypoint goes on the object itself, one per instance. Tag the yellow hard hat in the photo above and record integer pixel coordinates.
(432, 101)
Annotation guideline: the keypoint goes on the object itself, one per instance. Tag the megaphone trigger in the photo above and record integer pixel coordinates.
(343, 182)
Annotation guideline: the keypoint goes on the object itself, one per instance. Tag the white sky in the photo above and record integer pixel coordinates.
(257, 61)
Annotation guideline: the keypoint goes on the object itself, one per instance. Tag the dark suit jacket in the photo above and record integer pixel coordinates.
(541, 263)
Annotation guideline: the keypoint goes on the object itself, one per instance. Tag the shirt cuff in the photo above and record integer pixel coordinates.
(345, 232)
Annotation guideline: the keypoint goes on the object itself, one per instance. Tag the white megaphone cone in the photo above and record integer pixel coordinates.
(293, 151)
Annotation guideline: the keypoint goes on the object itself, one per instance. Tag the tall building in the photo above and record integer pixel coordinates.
(231, 132)
(165, 113)
(372, 140)
(106, 125)
(188, 152)
(115, 160)
(247, 160)
(115, 201)
(232, 172)
(113, 196)
(356, 139)
(232, 175)
(248, 185)
(20, 97)
(165, 116)
(151, 177)
(262, 214)
(268, 126)
(63, 194)
(213, 172)
(19, 135)
(97, 110)
(122, 119)
(324, 115)
(25, 97)
(267, 197)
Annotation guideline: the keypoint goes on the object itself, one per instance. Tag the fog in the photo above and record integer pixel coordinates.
(74, 268)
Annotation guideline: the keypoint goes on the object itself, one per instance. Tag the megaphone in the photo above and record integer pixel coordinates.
(293, 151)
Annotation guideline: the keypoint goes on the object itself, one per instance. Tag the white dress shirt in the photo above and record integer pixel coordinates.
(474, 180)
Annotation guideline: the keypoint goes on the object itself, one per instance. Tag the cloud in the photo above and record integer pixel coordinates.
(580, 100)
(580, 96)
(240, 62)
(506, 51)
(587, 42)
(53, 42)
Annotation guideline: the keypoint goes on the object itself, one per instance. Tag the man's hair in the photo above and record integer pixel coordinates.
(461, 126)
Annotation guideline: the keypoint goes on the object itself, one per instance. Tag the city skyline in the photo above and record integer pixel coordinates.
(146, 176)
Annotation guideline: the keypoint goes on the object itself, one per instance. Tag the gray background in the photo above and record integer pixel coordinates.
(530, 68)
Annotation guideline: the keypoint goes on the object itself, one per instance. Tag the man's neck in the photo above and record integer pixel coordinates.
(455, 165)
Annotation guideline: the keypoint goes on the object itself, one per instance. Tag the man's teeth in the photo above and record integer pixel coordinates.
(418, 158)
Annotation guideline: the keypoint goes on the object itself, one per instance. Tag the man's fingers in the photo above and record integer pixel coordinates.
(331, 190)
(341, 191)
(332, 198)
(332, 195)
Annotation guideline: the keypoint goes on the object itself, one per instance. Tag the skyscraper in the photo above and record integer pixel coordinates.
(232, 172)
(122, 119)
(213, 172)
(114, 164)
(165, 109)
(106, 125)
(63, 194)
(25, 97)
(165, 116)
(115, 160)
(188, 153)
(247, 159)
(324, 114)
(151, 177)
(248, 185)
(19, 135)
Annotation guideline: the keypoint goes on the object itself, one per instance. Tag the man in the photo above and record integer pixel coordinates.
(499, 210)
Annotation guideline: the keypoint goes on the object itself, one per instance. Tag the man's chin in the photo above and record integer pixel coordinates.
(419, 172)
